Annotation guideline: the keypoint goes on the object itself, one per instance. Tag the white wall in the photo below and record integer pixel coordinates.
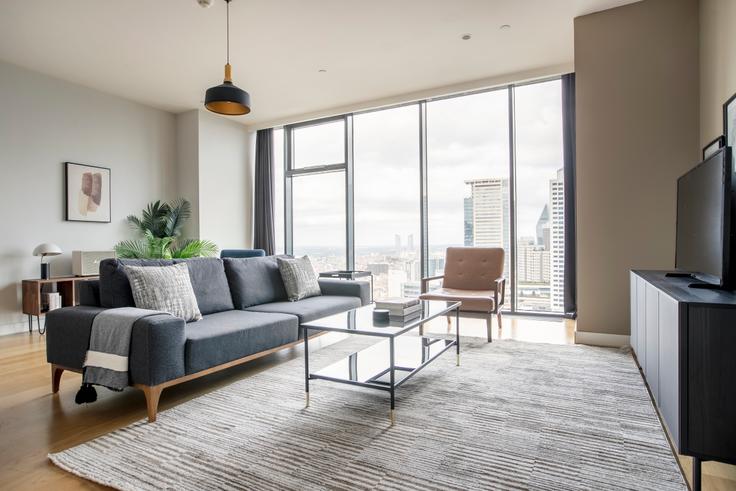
(187, 172)
(45, 122)
(225, 183)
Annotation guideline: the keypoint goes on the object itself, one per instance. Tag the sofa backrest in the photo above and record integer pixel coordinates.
(254, 281)
(209, 282)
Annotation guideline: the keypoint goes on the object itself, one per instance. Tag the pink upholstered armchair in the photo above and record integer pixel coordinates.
(473, 276)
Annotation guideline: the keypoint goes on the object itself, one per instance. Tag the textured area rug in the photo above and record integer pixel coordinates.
(514, 415)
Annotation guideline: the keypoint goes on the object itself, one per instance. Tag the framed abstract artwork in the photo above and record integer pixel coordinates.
(729, 122)
(87, 193)
(712, 147)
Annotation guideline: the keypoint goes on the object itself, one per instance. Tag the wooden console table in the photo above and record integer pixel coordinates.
(66, 287)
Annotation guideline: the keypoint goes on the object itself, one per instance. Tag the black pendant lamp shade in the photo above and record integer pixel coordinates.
(226, 98)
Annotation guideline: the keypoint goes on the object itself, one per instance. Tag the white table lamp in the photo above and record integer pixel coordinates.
(44, 250)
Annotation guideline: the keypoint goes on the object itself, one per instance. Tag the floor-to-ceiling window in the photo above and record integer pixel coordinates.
(316, 166)
(492, 166)
(387, 205)
(468, 187)
(540, 240)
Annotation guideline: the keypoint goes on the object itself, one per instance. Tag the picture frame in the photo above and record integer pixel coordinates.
(729, 122)
(713, 146)
(87, 193)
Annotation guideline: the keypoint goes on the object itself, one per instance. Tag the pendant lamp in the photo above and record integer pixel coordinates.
(227, 98)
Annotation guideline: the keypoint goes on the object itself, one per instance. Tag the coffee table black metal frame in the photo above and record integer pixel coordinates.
(360, 321)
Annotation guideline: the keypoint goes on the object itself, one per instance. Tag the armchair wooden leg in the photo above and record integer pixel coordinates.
(56, 372)
(500, 324)
(152, 396)
(489, 327)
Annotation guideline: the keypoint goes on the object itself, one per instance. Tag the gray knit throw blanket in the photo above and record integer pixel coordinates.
(106, 363)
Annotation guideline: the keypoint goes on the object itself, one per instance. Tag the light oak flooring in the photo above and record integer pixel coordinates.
(33, 422)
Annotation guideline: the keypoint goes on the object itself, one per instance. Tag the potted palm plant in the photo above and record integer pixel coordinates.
(161, 225)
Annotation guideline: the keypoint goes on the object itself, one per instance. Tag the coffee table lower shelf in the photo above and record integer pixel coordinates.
(388, 364)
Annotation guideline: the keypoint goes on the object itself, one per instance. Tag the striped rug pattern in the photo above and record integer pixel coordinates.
(514, 415)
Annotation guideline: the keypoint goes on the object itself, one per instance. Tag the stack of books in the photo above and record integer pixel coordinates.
(401, 309)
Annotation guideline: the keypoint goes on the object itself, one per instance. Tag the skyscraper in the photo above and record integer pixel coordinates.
(557, 241)
(410, 242)
(491, 214)
(397, 242)
(543, 228)
(468, 220)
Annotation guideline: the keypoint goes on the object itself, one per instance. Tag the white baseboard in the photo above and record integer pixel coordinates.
(18, 327)
(601, 339)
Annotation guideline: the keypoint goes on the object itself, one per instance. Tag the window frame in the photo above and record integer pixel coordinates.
(347, 167)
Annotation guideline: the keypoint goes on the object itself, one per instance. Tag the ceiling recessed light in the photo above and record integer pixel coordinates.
(505, 27)
(465, 37)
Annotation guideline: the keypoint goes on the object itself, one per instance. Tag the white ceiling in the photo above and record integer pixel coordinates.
(165, 53)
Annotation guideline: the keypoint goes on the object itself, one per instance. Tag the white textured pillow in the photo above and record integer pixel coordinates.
(165, 288)
(300, 280)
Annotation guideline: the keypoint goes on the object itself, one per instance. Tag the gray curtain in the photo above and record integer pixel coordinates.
(263, 226)
(568, 137)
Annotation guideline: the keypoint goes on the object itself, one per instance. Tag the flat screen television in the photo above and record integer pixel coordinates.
(704, 226)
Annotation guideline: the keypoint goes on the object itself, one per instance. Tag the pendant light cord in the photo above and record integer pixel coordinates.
(228, 30)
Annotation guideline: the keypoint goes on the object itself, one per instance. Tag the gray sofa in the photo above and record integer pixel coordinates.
(245, 316)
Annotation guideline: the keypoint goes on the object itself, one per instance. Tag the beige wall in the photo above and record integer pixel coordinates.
(637, 131)
(717, 64)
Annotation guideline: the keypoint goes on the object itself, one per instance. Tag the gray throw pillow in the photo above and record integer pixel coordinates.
(300, 280)
(165, 288)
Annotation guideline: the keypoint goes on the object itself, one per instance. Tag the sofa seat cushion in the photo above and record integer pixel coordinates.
(226, 336)
(309, 309)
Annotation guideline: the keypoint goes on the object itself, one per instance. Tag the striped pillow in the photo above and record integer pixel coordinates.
(300, 280)
(164, 288)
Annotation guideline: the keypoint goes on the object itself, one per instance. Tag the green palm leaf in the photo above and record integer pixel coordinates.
(132, 249)
(154, 218)
(158, 247)
(161, 226)
(194, 248)
(179, 212)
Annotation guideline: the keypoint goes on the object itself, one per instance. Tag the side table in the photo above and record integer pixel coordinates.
(66, 287)
(346, 274)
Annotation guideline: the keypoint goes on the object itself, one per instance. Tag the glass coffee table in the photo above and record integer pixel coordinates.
(390, 363)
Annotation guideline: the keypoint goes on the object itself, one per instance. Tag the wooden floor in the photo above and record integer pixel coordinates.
(33, 422)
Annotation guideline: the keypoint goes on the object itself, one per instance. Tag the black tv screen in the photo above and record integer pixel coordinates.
(704, 219)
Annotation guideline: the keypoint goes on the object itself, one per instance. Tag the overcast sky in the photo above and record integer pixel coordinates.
(467, 138)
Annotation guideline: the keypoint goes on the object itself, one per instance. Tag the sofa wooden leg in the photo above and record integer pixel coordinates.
(56, 372)
(489, 327)
(152, 396)
(449, 323)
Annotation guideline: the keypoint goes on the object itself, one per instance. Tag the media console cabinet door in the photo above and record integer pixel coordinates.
(651, 296)
(633, 329)
(711, 384)
(641, 324)
(669, 365)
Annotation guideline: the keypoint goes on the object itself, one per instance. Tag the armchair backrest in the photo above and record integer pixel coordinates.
(473, 268)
